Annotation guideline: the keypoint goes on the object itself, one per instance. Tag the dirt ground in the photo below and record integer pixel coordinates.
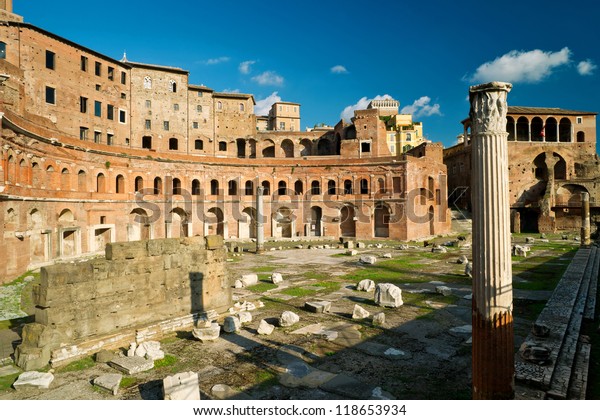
(415, 355)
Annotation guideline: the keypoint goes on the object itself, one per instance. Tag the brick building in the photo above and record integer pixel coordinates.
(551, 161)
(95, 150)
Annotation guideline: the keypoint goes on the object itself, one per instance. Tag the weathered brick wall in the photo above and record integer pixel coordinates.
(137, 284)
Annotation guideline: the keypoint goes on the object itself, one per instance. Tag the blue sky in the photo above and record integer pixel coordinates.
(332, 56)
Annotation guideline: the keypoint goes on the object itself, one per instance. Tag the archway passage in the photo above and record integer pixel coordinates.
(347, 222)
(529, 220)
(316, 214)
(247, 223)
(138, 228)
(283, 220)
(215, 221)
(382, 220)
(431, 215)
(179, 223)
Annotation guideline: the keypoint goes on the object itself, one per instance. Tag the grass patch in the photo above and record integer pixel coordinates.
(78, 365)
(7, 381)
(528, 309)
(168, 360)
(265, 269)
(299, 291)
(329, 286)
(266, 379)
(128, 382)
(169, 340)
(315, 275)
(261, 287)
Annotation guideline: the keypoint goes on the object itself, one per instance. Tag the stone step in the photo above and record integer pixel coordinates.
(557, 315)
(579, 378)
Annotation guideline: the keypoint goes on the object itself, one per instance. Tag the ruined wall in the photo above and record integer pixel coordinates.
(137, 285)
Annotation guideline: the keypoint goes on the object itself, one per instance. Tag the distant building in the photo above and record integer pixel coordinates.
(284, 116)
(551, 160)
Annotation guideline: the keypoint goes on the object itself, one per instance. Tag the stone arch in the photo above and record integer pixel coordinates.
(315, 223)
(381, 185)
(176, 186)
(298, 187)
(100, 183)
(249, 188)
(179, 223)
(580, 137)
(138, 184)
(324, 147)
(537, 129)
(10, 219)
(247, 223)
(173, 144)
(510, 128)
(252, 149)
(81, 180)
(232, 187)
(282, 188)
(551, 129)
(364, 186)
(305, 147)
(268, 149)
(522, 129)
(569, 195)
(315, 187)
(214, 187)
(560, 167)
(347, 221)
(381, 218)
(215, 221)
(283, 222)
(241, 148)
(65, 179)
(287, 148)
(540, 167)
(331, 187)
(138, 228)
(12, 169)
(266, 187)
(348, 186)
(564, 130)
(157, 185)
(38, 242)
(23, 175)
(36, 175)
(195, 187)
(66, 216)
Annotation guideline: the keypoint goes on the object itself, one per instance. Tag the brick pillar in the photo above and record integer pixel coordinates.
(260, 232)
(493, 348)
(585, 219)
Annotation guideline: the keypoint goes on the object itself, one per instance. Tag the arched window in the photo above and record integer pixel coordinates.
(249, 188)
(315, 187)
(266, 187)
(198, 144)
(214, 187)
(281, 188)
(176, 186)
(364, 186)
(100, 183)
(241, 107)
(195, 187)
(381, 185)
(65, 179)
(331, 187)
(199, 108)
(147, 82)
(172, 86)
(299, 187)
(580, 137)
(120, 184)
(139, 183)
(157, 186)
(81, 180)
(232, 187)
(219, 105)
(173, 144)
(347, 187)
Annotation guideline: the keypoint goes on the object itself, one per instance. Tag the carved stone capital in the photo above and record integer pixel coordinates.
(488, 107)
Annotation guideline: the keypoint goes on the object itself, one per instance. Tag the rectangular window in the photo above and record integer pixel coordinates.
(195, 124)
(109, 138)
(166, 125)
(50, 60)
(83, 104)
(365, 147)
(146, 142)
(199, 94)
(148, 103)
(83, 133)
(148, 125)
(98, 68)
(199, 108)
(97, 137)
(176, 107)
(98, 87)
(84, 63)
(123, 77)
(579, 120)
(111, 73)
(110, 111)
(97, 108)
(123, 95)
(122, 116)
(50, 95)
(282, 126)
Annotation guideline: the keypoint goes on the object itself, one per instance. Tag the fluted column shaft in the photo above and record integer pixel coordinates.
(585, 219)
(260, 231)
(493, 348)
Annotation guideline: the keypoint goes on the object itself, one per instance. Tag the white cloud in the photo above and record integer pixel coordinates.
(245, 66)
(522, 66)
(263, 106)
(268, 78)
(586, 68)
(231, 91)
(362, 103)
(218, 60)
(422, 108)
(339, 69)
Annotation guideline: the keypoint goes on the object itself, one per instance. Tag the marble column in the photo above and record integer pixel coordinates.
(260, 231)
(492, 305)
(585, 219)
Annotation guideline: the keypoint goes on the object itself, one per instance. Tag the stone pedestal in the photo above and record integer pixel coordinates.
(260, 231)
(493, 350)
(585, 219)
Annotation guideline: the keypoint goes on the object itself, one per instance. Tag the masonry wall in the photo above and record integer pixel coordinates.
(138, 283)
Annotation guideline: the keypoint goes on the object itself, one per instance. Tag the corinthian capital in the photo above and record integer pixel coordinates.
(488, 107)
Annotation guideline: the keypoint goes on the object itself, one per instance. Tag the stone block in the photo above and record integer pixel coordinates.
(150, 350)
(288, 318)
(349, 244)
(359, 312)
(125, 250)
(388, 255)
(249, 280)
(110, 381)
(231, 324)
(214, 242)
(387, 294)
(181, 386)
(318, 306)
(264, 328)
(245, 317)
(361, 245)
(379, 319)
(443, 290)
(131, 365)
(276, 278)
(367, 259)
(352, 252)
(365, 285)
(32, 358)
(104, 356)
(34, 379)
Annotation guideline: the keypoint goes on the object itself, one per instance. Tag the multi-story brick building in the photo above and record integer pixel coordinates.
(551, 160)
(94, 150)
